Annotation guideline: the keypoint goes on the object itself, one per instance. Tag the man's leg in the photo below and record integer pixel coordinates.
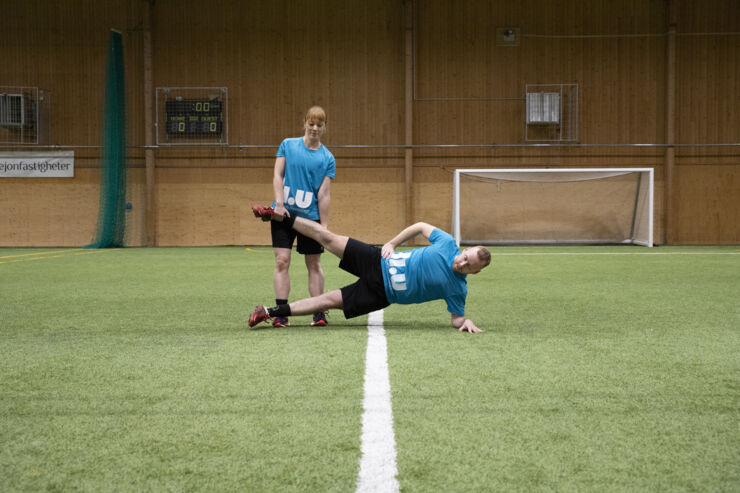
(326, 301)
(333, 242)
(321, 303)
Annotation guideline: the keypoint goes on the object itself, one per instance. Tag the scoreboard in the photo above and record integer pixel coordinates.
(194, 117)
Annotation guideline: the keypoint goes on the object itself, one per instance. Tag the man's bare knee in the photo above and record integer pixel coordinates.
(326, 301)
(313, 263)
(282, 262)
(324, 236)
(332, 299)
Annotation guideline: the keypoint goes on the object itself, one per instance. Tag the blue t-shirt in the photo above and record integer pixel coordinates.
(425, 274)
(305, 170)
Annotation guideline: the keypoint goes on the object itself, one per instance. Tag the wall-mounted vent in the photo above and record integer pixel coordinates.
(543, 107)
(551, 112)
(16, 110)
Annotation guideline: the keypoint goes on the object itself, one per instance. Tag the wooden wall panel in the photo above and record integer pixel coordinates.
(279, 57)
(135, 235)
(708, 112)
(64, 211)
(49, 211)
(709, 204)
(200, 206)
(62, 47)
(708, 71)
(433, 196)
(614, 51)
(366, 204)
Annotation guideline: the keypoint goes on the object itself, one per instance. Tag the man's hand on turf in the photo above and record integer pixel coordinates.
(463, 324)
(469, 326)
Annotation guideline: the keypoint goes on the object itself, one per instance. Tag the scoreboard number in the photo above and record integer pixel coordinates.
(194, 118)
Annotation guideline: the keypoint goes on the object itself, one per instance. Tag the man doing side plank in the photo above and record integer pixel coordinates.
(438, 271)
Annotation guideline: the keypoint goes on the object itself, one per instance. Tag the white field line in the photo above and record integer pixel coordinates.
(378, 462)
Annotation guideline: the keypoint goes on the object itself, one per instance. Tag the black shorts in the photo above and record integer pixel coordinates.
(283, 236)
(368, 293)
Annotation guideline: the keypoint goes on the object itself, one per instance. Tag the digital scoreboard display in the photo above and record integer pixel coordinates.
(194, 118)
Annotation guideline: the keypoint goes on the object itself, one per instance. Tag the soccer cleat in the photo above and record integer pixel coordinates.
(264, 213)
(259, 315)
(280, 322)
(319, 320)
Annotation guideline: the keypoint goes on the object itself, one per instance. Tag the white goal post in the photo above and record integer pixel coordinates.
(553, 206)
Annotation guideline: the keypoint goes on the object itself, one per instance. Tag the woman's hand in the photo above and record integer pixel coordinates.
(280, 210)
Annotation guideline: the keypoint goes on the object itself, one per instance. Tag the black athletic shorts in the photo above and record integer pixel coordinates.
(283, 236)
(368, 293)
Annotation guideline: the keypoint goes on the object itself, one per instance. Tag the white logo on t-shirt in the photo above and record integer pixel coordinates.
(395, 262)
(302, 198)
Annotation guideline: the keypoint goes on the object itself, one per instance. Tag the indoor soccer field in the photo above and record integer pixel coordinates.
(601, 369)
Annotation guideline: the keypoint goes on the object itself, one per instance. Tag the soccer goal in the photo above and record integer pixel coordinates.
(553, 206)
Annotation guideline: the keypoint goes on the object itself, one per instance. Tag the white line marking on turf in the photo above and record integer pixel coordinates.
(378, 463)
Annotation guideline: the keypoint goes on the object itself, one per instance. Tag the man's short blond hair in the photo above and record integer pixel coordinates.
(484, 255)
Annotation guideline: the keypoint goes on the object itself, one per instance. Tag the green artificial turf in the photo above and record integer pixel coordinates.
(133, 370)
(601, 369)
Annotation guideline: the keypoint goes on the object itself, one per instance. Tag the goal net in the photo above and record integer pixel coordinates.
(553, 206)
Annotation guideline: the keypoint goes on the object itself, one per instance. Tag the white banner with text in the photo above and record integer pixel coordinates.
(54, 164)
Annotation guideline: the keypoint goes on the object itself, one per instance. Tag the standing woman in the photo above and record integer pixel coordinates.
(304, 168)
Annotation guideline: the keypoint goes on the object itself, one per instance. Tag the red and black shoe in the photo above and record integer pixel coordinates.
(264, 213)
(280, 322)
(259, 315)
(319, 320)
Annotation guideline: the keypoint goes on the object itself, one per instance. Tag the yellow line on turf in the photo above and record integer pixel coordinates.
(78, 250)
(41, 253)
